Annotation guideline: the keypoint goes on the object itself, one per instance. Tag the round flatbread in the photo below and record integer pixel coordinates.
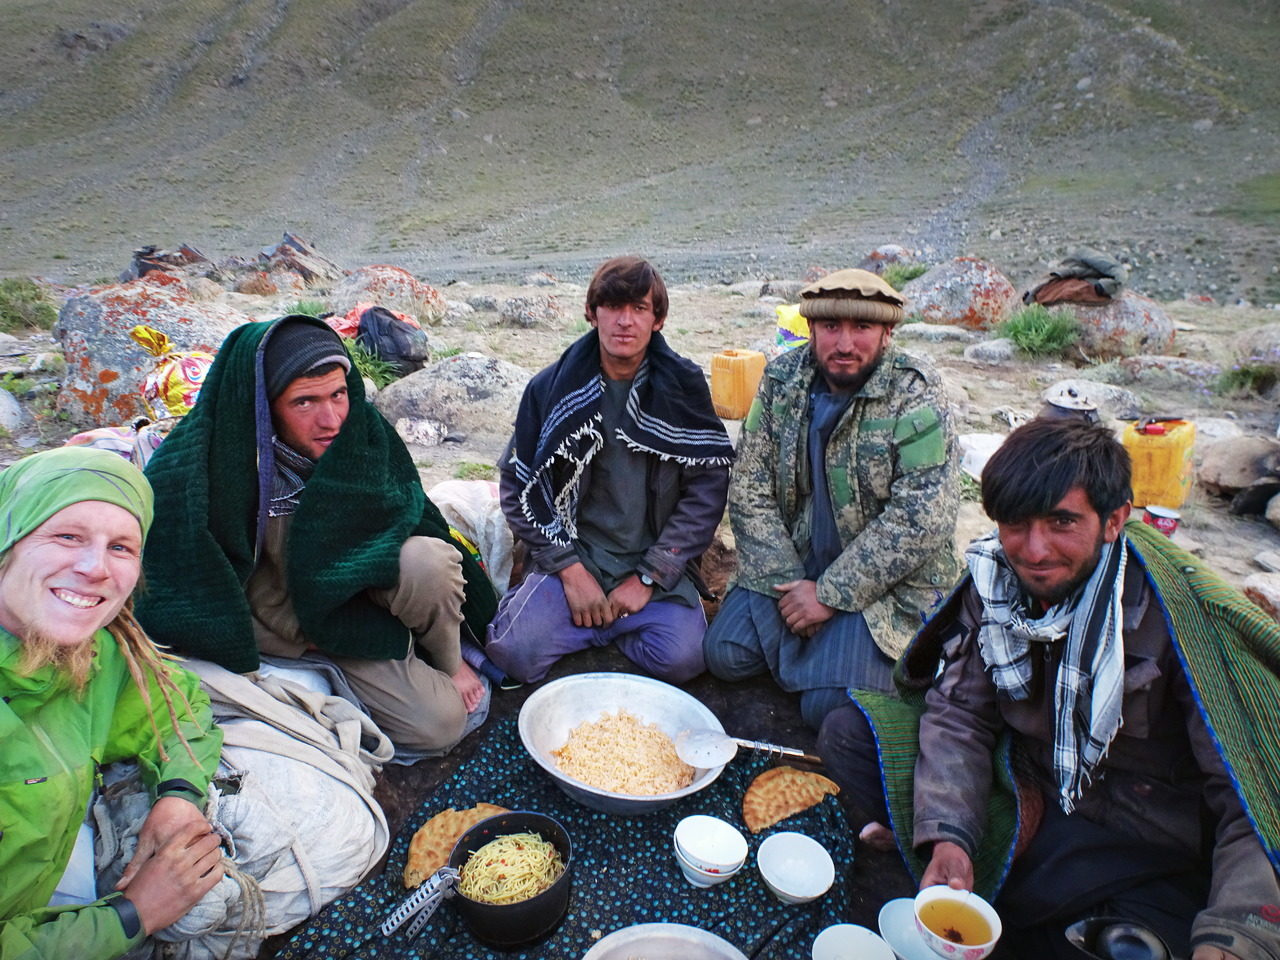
(782, 792)
(430, 847)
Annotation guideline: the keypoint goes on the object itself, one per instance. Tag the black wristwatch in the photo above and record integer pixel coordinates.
(645, 579)
(129, 919)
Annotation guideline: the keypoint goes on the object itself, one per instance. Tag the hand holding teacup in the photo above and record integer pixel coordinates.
(956, 923)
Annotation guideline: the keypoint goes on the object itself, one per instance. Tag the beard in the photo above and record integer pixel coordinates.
(72, 662)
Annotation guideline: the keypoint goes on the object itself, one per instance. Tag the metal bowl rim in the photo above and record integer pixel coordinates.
(713, 722)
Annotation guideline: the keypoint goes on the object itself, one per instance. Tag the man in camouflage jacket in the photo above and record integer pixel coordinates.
(843, 504)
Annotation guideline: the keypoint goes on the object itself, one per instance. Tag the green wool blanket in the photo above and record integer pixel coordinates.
(1229, 649)
(361, 503)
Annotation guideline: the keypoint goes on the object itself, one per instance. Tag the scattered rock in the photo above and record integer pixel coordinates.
(934, 333)
(483, 301)
(11, 413)
(468, 395)
(998, 351)
(964, 291)
(1268, 560)
(530, 311)
(1264, 590)
(1130, 324)
(105, 368)
(456, 311)
(1116, 402)
(1231, 465)
(295, 255)
(540, 280)
(257, 284)
(391, 287)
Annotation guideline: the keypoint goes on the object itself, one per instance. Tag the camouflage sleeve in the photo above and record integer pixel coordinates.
(766, 554)
(919, 517)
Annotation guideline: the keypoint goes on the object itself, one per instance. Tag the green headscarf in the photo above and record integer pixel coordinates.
(37, 487)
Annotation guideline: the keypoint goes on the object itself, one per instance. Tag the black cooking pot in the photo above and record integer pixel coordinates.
(502, 925)
(511, 924)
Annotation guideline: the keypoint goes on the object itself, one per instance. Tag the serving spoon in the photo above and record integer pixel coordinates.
(703, 747)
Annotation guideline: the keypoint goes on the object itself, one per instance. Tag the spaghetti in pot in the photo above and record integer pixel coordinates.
(510, 869)
(622, 754)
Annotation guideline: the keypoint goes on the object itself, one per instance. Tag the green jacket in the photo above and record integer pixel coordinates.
(891, 470)
(54, 743)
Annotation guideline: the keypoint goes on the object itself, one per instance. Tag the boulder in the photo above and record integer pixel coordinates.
(105, 367)
(483, 301)
(934, 333)
(1128, 325)
(1149, 367)
(751, 289)
(885, 254)
(457, 311)
(468, 397)
(786, 290)
(1264, 590)
(997, 351)
(1116, 402)
(543, 279)
(1273, 512)
(392, 287)
(1209, 430)
(1268, 560)
(529, 311)
(966, 291)
(1231, 465)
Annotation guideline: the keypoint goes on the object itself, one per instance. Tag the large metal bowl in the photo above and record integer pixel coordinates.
(663, 941)
(552, 711)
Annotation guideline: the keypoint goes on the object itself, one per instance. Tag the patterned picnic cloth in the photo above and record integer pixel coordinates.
(624, 872)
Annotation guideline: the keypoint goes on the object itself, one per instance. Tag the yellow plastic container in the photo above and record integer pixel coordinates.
(1161, 455)
(735, 375)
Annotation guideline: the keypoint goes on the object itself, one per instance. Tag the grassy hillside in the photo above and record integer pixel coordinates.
(461, 136)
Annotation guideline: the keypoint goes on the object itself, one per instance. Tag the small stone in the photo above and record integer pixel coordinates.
(998, 351)
(1268, 560)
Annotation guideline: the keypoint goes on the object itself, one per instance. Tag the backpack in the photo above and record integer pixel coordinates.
(392, 340)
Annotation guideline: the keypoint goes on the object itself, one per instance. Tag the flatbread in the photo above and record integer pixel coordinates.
(430, 847)
(782, 792)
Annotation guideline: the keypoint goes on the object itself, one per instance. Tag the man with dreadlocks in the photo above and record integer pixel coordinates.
(615, 480)
(81, 686)
(1092, 720)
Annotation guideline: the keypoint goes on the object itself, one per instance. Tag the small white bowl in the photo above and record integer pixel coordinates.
(795, 867)
(948, 948)
(848, 941)
(710, 843)
(699, 877)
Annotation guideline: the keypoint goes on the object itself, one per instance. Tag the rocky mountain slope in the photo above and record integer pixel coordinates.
(469, 138)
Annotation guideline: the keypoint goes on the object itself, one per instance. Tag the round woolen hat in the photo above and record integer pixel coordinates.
(851, 295)
(296, 345)
(38, 486)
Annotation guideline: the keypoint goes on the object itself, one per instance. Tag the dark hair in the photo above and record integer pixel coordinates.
(626, 280)
(1039, 463)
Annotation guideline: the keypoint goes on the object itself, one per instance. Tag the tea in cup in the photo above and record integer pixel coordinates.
(956, 924)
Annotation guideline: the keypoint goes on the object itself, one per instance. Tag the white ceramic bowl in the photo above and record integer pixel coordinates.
(663, 941)
(556, 708)
(848, 941)
(710, 843)
(699, 877)
(795, 867)
(944, 947)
